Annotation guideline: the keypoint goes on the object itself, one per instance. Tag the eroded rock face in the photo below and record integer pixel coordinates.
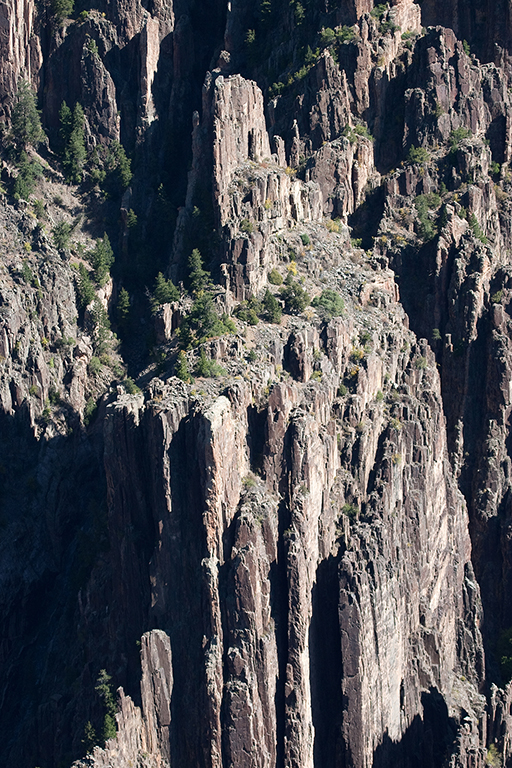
(20, 49)
(289, 544)
(330, 597)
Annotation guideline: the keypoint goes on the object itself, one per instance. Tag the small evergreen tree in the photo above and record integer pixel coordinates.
(104, 689)
(202, 368)
(28, 172)
(296, 299)
(123, 307)
(102, 258)
(66, 125)
(164, 292)
(118, 172)
(90, 739)
(272, 308)
(75, 153)
(25, 122)
(199, 278)
(84, 287)
(61, 234)
(62, 9)
(181, 368)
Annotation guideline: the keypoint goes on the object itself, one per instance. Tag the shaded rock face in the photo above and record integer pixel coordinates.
(330, 597)
(20, 49)
(301, 563)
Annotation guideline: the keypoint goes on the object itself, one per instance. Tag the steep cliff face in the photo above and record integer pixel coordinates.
(303, 559)
(318, 611)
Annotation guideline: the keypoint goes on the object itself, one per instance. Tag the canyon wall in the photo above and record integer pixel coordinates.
(302, 559)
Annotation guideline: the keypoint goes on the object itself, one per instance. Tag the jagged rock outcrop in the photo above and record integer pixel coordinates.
(143, 733)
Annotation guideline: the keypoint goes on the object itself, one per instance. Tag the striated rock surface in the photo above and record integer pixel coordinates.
(297, 554)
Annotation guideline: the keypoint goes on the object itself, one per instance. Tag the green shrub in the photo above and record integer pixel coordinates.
(117, 169)
(362, 130)
(275, 277)
(466, 47)
(123, 307)
(130, 386)
(424, 203)
(327, 37)
(246, 226)
(90, 740)
(109, 728)
(61, 235)
(252, 356)
(476, 228)
(497, 297)
(94, 365)
(421, 363)
(249, 311)
(305, 239)
(203, 322)
(504, 654)
(417, 155)
(208, 368)
(27, 273)
(131, 219)
(28, 172)
(351, 510)
(457, 136)
(295, 298)
(345, 34)
(379, 11)
(388, 26)
(104, 689)
(329, 303)
(39, 209)
(62, 9)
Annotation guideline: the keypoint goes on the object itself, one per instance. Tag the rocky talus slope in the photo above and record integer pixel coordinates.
(300, 556)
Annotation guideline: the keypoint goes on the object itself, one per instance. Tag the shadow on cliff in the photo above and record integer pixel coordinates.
(427, 742)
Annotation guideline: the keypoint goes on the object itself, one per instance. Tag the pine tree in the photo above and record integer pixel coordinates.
(25, 122)
(66, 125)
(123, 307)
(164, 292)
(202, 366)
(102, 258)
(272, 307)
(181, 368)
(62, 8)
(75, 153)
(199, 278)
(84, 287)
(90, 739)
(117, 170)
